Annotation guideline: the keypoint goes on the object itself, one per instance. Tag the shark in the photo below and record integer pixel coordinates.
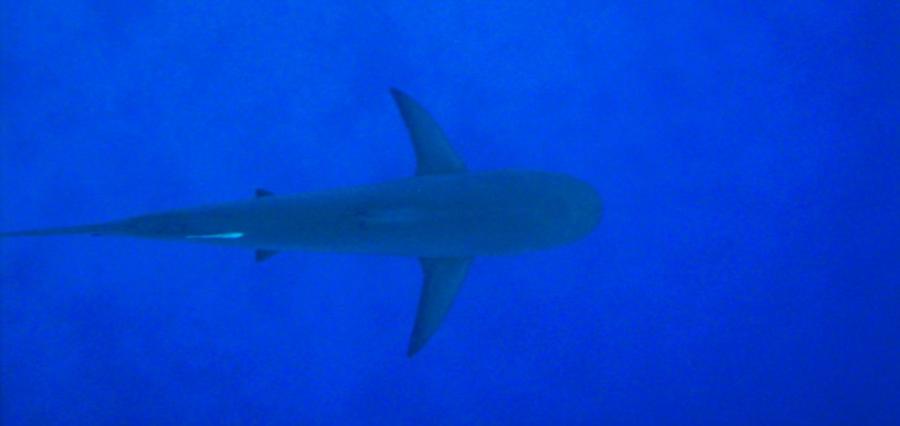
(444, 215)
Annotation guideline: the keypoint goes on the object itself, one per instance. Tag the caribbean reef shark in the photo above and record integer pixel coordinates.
(444, 215)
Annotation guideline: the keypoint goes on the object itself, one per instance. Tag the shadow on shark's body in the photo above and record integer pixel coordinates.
(444, 215)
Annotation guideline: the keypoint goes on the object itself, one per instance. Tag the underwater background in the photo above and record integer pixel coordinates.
(745, 272)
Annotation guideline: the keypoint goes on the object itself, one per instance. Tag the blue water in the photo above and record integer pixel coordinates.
(745, 273)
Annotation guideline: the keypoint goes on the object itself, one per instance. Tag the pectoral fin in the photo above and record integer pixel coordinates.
(434, 155)
(442, 280)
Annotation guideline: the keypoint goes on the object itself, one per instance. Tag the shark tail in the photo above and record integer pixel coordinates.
(98, 229)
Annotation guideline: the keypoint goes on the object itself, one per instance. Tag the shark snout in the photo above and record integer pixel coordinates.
(584, 208)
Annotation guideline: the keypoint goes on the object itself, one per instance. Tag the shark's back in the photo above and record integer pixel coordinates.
(472, 214)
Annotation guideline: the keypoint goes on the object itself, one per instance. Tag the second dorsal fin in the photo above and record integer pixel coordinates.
(434, 155)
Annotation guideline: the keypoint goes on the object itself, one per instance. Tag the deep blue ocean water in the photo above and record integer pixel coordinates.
(745, 272)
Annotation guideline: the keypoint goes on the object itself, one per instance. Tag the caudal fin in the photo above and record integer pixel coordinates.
(68, 230)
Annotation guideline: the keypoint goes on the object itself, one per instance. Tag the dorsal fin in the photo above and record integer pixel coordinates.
(434, 155)
(260, 192)
(442, 280)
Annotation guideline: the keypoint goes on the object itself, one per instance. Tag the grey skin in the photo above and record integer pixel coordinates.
(444, 215)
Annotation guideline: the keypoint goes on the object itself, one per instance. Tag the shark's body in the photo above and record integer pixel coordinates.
(444, 215)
